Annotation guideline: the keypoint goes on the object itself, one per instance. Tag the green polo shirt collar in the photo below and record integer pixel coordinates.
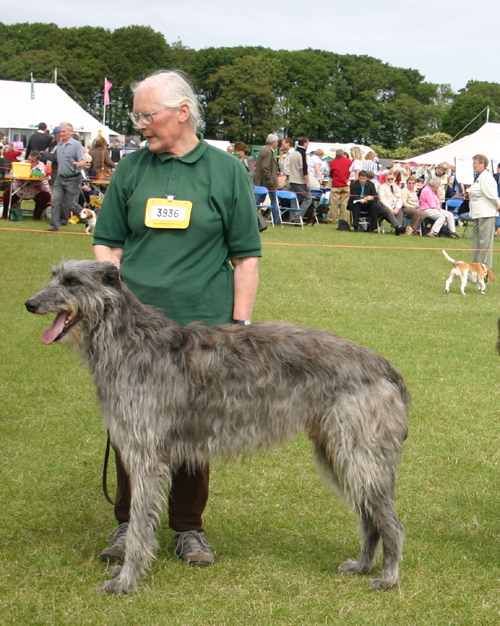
(191, 157)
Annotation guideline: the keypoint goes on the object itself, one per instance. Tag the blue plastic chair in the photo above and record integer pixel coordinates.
(292, 196)
(260, 193)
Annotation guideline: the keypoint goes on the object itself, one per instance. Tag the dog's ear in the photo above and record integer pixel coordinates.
(111, 276)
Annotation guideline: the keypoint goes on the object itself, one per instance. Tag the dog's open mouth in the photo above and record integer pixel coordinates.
(59, 328)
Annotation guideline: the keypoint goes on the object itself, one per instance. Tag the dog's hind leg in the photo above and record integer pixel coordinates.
(383, 516)
(149, 482)
(371, 535)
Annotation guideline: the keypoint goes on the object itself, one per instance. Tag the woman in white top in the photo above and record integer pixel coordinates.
(356, 165)
(484, 205)
(314, 168)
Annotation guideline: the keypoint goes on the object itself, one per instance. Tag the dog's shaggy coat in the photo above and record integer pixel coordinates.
(172, 394)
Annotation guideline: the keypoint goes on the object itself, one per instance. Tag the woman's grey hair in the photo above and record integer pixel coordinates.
(481, 158)
(175, 90)
(434, 181)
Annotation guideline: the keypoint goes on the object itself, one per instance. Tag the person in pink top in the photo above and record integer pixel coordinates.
(430, 203)
(39, 191)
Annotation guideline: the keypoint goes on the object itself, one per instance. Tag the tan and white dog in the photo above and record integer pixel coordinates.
(478, 273)
(90, 216)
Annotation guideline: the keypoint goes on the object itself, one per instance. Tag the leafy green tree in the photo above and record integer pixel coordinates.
(242, 103)
(466, 115)
(427, 143)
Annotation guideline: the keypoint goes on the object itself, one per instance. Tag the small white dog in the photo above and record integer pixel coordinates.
(90, 216)
(478, 273)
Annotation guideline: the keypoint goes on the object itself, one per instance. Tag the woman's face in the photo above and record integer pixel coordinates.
(240, 153)
(478, 166)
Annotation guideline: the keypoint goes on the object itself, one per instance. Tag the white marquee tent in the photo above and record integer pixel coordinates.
(485, 141)
(20, 114)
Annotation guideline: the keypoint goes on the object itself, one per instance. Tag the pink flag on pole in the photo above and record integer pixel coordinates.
(107, 87)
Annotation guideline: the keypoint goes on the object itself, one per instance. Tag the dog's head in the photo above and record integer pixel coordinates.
(87, 214)
(79, 294)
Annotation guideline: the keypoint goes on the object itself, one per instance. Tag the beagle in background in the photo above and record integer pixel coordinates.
(90, 217)
(474, 272)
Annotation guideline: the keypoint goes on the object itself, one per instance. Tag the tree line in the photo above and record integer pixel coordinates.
(247, 92)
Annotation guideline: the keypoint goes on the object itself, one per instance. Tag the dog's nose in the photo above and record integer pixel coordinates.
(31, 305)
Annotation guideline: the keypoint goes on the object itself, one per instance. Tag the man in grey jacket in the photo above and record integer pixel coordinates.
(266, 173)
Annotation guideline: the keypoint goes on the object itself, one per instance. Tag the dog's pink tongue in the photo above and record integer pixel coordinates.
(50, 335)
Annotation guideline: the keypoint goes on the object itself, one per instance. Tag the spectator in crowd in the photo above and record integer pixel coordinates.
(401, 171)
(363, 197)
(356, 165)
(101, 160)
(242, 152)
(69, 154)
(88, 175)
(39, 141)
(299, 177)
(287, 145)
(230, 149)
(483, 208)
(11, 153)
(314, 164)
(39, 191)
(5, 166)
(369, 164)
(51, 155)
(371, 177)
(266, 173)
(116, 151)
(339, 196)
(441, 172)
(410, 202)
(390, 203)
(430, 203)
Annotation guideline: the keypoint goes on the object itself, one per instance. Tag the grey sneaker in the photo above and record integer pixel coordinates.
(116, 547)
(191, 546)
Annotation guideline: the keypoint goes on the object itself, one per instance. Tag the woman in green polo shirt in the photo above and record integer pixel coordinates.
(179, 220)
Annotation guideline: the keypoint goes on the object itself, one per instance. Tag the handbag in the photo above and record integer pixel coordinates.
(261, 222)
(103, 174)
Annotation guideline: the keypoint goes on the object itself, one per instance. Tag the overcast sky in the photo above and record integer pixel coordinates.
(448, 41)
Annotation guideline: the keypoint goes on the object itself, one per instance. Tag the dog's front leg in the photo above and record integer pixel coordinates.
(464, 282)
(149, 483)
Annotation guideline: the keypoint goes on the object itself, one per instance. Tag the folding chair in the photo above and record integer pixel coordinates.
(294, 202)
(260, 194)
(452, 205)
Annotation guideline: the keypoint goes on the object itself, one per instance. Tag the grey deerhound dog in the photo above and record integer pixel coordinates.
(172, 394)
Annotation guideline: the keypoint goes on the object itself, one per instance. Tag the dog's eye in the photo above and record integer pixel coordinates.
(71, 282)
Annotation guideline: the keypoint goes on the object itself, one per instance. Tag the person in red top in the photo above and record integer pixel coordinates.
(11, 154)
(339, 173)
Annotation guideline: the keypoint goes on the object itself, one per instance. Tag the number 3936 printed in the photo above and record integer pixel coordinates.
(170, 214)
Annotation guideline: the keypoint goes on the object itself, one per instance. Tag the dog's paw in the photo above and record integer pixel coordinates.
(380, 584)
(116, 587)
(353, 567)
(112, 588)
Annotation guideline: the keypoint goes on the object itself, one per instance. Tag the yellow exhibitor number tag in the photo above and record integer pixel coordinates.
(166, 213)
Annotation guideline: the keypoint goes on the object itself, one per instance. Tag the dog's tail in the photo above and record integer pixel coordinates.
(448, 257)
(490, 274)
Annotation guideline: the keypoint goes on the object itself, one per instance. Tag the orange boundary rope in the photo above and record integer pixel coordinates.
(274, 243)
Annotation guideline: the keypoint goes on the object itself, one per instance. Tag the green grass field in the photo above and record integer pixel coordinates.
(278, 535)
